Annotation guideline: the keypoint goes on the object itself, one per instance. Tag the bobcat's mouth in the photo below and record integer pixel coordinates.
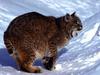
(75, 32)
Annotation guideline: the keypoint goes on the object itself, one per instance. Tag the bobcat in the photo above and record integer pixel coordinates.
(33, 35)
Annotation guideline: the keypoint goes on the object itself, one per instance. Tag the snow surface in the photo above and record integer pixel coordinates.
(80, 57)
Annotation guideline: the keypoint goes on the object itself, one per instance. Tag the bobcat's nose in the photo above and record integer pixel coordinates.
(80, 28)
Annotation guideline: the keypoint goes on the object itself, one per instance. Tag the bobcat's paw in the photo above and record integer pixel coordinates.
(48, 63)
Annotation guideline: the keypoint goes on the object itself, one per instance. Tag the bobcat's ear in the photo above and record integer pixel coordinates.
(73, 14)
(67, 17)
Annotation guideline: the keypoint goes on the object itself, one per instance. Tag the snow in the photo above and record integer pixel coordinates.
(91, 33)
(80, 57)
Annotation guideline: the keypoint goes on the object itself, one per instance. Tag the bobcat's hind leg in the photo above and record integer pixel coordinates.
(25, 62)
(50, 60)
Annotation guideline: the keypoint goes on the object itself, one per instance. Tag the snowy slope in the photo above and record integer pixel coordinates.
(80, 57)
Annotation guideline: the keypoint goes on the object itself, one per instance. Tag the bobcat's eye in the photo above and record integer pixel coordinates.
(78, 22)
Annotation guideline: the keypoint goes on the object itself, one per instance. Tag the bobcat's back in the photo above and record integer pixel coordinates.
(31, 30)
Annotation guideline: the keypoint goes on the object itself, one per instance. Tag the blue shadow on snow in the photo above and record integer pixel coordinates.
(6, 60)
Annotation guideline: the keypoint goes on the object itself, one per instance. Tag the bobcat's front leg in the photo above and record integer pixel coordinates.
(50, 60)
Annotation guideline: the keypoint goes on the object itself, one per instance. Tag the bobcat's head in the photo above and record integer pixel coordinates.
(71, 25)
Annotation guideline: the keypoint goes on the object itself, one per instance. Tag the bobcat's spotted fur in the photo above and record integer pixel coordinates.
(34, 35)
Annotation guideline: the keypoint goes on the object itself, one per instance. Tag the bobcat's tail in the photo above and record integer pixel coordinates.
(8, 43)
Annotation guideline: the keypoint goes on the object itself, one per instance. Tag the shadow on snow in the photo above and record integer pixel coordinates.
(6, 60)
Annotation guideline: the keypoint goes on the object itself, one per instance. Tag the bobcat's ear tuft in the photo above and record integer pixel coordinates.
(67, 17)
(73, 14)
